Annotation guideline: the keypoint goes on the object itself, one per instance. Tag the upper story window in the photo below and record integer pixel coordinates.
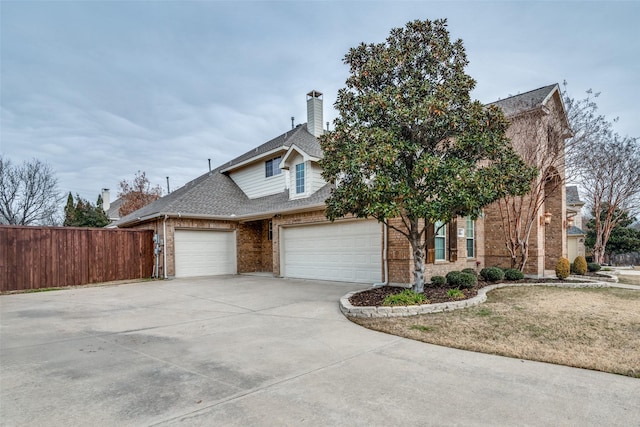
(440, 241)
(300, 178)
(471, 244)
(272, 167)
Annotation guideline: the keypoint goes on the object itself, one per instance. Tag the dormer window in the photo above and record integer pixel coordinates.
(272, 167)
(300, 178)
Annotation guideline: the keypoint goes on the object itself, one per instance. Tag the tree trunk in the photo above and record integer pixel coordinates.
(418, 257)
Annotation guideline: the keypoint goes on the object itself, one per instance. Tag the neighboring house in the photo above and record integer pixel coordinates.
(575, 234)
(112, 209)
(264, 212)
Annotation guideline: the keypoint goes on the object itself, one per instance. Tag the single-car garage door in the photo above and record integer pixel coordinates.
(205, 253)
(345, 251)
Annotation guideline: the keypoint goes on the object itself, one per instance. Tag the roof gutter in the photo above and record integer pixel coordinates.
(232, 217)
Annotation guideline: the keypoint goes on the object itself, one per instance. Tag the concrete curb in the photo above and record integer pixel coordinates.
(412, 310)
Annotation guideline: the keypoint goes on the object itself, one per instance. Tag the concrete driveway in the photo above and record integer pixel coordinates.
(244, 350)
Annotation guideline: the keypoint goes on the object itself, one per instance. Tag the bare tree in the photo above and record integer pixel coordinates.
(28, 193)
(137, 194)
(538, 134)
(609, 174)
(588, 127)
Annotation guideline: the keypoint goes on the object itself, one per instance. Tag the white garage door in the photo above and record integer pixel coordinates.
(205, 253)
(346, 252)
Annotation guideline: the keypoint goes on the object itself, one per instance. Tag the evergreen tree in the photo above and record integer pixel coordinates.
(84, 214)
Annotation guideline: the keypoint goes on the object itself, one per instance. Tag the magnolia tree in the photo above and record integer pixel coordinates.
(410, 143)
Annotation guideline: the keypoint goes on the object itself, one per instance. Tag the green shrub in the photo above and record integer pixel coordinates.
(438, 281)
(458, 279)
(406, 297)
(467, 280)
(470, 271)
(513, 274)
(455, 293)
(492, 274)
(562, 268)
(593, 267)
(453, 278)
(580, 265)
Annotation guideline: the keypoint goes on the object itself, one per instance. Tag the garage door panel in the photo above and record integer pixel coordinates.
(204, 253)
(349, 251)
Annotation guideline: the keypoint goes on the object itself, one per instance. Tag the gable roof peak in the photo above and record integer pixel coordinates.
(526, 101)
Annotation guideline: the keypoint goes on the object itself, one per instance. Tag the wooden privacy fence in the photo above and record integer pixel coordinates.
(44, 257)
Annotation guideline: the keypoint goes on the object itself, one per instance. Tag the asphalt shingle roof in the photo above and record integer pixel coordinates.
(525, 101)
(215, 194)
(573, 198)
(573, 231)
(298, 136)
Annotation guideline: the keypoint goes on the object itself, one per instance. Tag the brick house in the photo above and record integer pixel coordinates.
(264, 212)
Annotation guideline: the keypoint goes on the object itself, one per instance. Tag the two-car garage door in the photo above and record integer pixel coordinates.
(205, 253)
(347, 251)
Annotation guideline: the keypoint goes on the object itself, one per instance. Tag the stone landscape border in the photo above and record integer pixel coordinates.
(350, 310)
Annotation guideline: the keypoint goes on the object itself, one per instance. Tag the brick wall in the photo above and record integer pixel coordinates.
(401, 256)
(249, 247)
(555, 236)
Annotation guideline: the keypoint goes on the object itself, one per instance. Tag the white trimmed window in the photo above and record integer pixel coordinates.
(300, 178)
(272, 167)
(440, 240)
(471, 239)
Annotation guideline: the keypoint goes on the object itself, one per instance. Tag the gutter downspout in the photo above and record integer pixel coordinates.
(164, 245)
(385, 260)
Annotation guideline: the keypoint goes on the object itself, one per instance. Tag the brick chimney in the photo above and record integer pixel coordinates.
(314, 113)
(106, 199)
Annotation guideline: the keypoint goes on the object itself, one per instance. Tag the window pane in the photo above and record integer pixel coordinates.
(470, 248)
(470, 227)
(300, 178)
(272, 167)
(470, 238)
(276, 166)
(440, 248)
(441, 240)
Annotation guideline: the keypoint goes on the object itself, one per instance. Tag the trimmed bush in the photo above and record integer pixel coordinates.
(467, 280)
(453, 278)
(513, 274)
(593, 267)
(438, 281)
(563, 268)
(406, 297)
(580, 265)
(470, 271)
(458, 279)
(492, 274)
(572, 268)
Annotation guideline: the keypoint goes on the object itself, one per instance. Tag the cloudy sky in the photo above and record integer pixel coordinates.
(102, 89)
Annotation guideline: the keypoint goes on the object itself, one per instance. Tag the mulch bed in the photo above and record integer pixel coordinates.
(376, 296)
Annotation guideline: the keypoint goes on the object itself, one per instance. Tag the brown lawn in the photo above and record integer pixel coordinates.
(587, 328)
